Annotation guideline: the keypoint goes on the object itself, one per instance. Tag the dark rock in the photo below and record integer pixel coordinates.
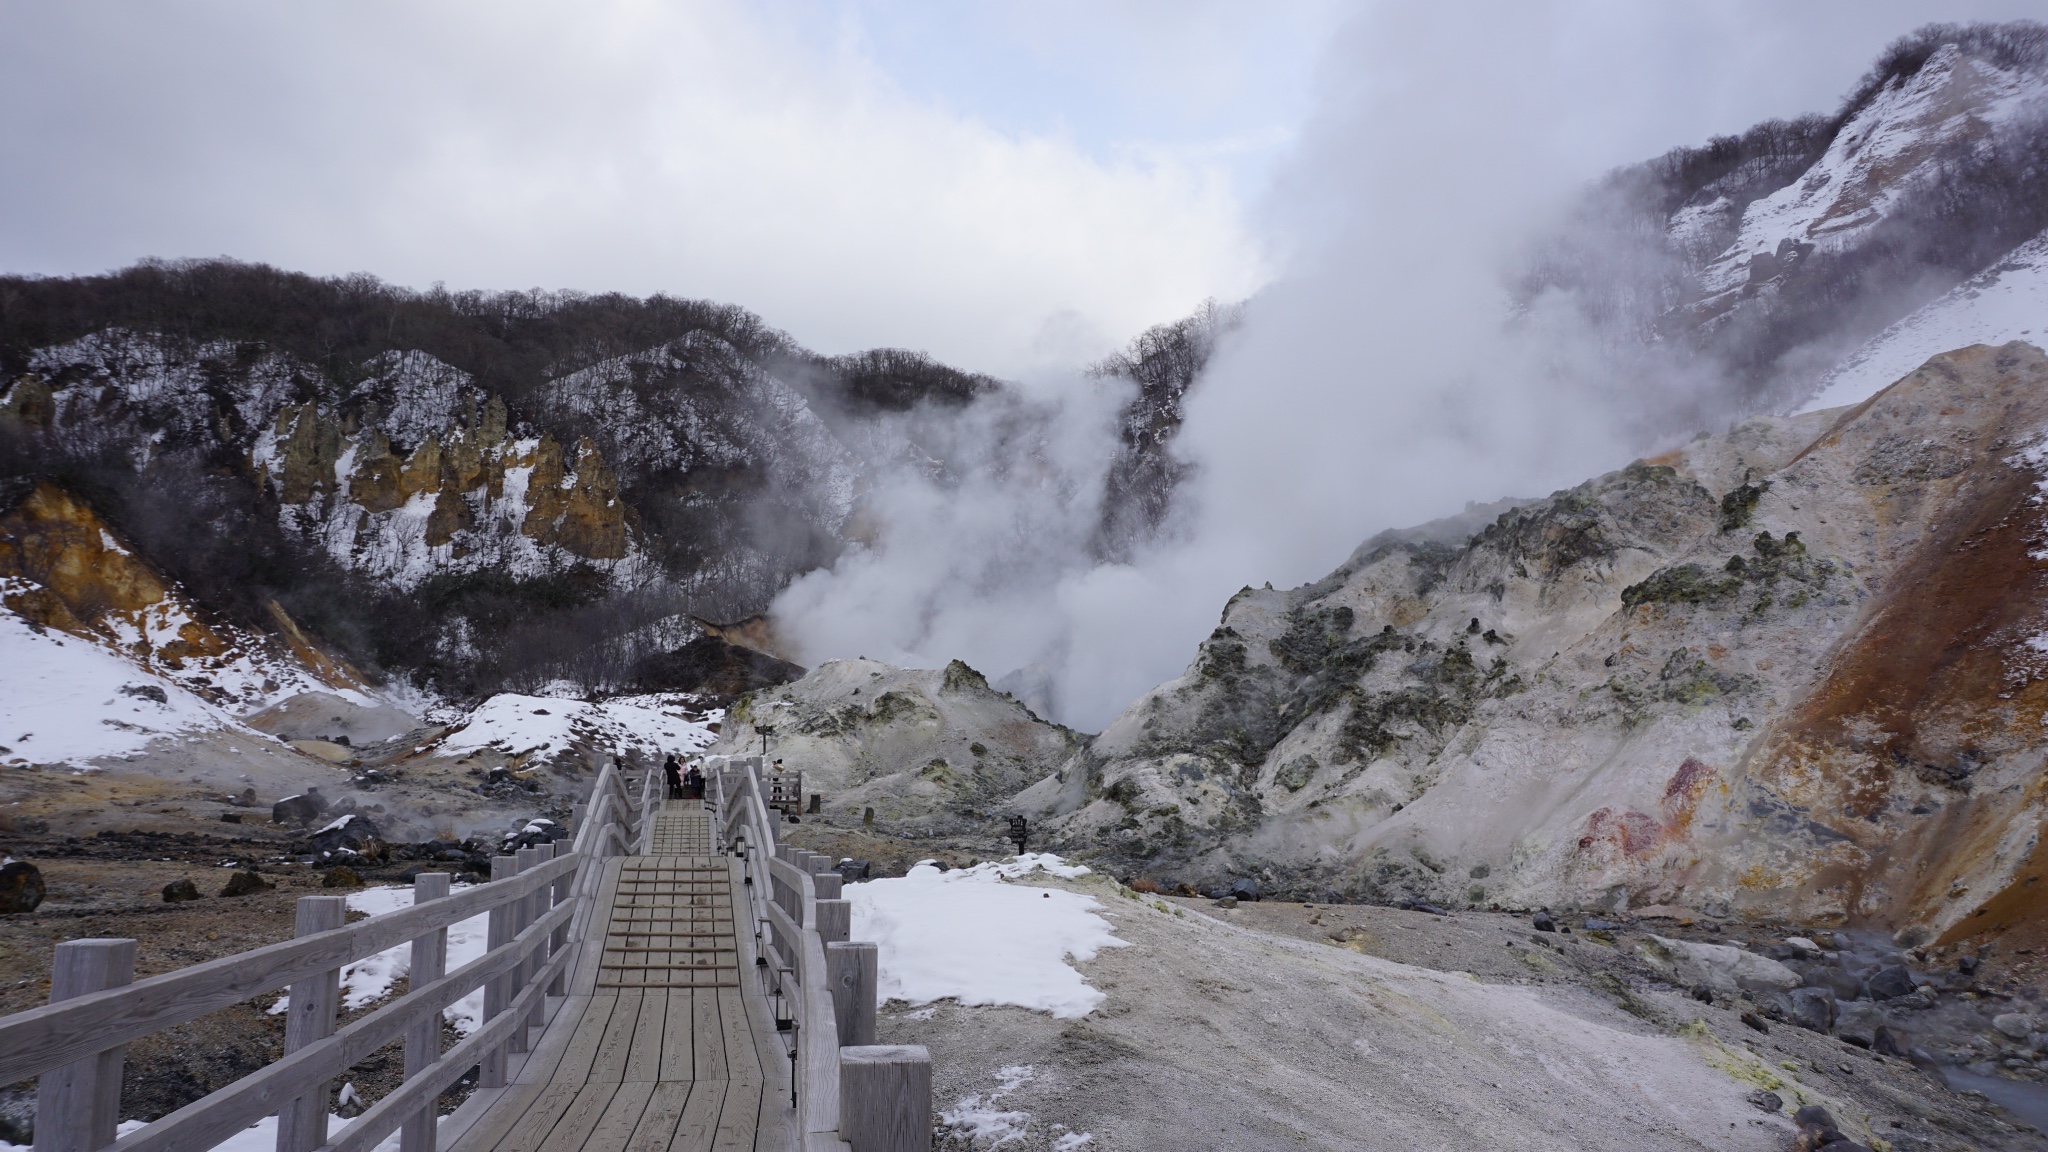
(1227, 902)
(1890, 1043)
(1815, 1117)
(341, 878)
(1602, 926)
(21, 887)
(179, 891)
(1543, 923)
(352, 835)
(298, 811)
(1704, 993)
(1768, 1101)
(1967, 965)
(537, 831)
(851, 870)
(243, 882)
(1813, 1009)
(1890, 982)
(1755, 1021)
(1417, 906)
(231, 817)
(1844, 985)
(246, 800)
(1245, 888)
(146, 692)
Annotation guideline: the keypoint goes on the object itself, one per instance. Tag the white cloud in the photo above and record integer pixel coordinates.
(706, 149)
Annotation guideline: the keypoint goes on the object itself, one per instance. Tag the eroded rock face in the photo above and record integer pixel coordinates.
(1794, 669)
(927, 749)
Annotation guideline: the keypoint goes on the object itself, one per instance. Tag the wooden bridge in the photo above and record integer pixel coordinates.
(674, 982)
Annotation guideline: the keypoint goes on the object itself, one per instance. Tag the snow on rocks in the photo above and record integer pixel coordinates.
(971, 936)
(977, 1120)
(542, 727)
(67, 700)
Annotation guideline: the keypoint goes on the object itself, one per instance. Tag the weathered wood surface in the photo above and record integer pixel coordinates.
(667, 1053)
(886, 1101)
(79, 1104)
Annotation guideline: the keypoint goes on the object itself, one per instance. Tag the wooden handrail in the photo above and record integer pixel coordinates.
(549, 902)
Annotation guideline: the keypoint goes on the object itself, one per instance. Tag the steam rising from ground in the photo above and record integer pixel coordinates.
(1384, 380)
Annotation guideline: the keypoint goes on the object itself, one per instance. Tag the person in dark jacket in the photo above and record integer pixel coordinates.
(673, 773)
(693, 783)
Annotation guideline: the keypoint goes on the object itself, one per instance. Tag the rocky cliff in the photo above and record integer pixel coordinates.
(1793, 670)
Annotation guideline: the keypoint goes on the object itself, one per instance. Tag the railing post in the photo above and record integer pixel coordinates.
(525, 860)
(536, 907)
(835, 921)
(302, 1122)
(423, 1040)
(828, 885)
(850, 971)
(565, 887)
(79, 1104)
(491, 1072)
(885, 1097)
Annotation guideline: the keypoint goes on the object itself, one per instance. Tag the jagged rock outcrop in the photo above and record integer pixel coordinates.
(927, 749)
(1795, 669)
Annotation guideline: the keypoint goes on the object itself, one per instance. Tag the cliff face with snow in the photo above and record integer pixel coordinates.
(1777, 253)
(1795, 669)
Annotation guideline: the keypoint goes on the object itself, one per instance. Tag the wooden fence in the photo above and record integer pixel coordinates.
(538, 903)
(875, 1097)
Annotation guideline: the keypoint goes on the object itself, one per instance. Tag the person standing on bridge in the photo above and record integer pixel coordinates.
(672, 772)
(693, 783)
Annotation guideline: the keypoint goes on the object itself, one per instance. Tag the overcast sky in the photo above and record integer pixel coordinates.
(1008, 184)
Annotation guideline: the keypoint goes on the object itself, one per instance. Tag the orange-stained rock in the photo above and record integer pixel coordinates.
(377, 484)
(422, 470)
(450, 515)
(309, 448)
(29, 401)
(58, 542)
(594, 523)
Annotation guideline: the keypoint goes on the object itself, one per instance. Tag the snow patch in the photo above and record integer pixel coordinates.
(544, 727)
(982, 1124)
(972, 936)
(372, 978)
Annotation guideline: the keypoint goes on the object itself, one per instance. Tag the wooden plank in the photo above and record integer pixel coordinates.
(531, 1125)
(643, 1059)
(707, 1038)
(739, 1119)
(700, 1118)
(679, 1044)
(657, 1127)
(620, 1120)
(573, 1126)
(610, 1061)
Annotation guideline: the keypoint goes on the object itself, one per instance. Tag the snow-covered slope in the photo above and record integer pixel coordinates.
(2006, 302)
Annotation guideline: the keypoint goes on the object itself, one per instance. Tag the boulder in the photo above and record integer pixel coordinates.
(1245, 888)
(1543, 923)
(1890, 982)
(21, 887)
(1857, 1023)
(351, 835)
(1886, 1042)
(1721, 967)
(850, 870)
(536, 832)
(1842, 984)
(179, 891)
(2014, 1025)
(1803, 946)
(243, 883)
(299, 811)
(1813, 1009)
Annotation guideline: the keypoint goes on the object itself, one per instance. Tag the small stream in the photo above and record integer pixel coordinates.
(2028, 1102)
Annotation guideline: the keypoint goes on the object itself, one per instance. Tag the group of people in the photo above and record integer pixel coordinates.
(682, 785)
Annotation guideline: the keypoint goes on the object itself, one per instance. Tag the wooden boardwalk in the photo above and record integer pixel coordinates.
(665, 1043)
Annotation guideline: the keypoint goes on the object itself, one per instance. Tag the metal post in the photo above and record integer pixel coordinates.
(302, 1122)
(491, 1072)
(423, 1040)
(79, 1104)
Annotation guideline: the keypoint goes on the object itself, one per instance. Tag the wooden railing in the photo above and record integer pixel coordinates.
(538, 903)
(875, 1097)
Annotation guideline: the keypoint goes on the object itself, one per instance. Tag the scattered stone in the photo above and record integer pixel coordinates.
(1967, 965)
(537, 831)
(244, 882)
(1418, 906)
(1601, 926)
(1813, 1009)
(179, 891)
(1803, 946)
(1227, 902)
(1858, 1023)
(2015, 1025)
(1703, 993)
(246, 800)
(1815, 1117)
(231, 817)
(343, 877)
(1543, 923)
(21, 887)
(850, 870)
(1844, 985)
(1889, 1043)
(1767, 1101)
(1755, 1021)
(1890, 982)
(1245, 888)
